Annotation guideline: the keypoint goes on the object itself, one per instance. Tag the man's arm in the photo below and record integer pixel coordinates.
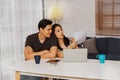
(29, 53)
(60, 54)
(53, 48)
(52, 53)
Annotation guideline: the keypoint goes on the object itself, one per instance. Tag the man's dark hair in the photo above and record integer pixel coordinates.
(43, 23)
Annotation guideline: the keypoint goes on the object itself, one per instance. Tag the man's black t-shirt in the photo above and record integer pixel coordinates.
(33, 41)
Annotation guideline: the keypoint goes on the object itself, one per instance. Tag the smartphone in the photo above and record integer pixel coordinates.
(53, 61)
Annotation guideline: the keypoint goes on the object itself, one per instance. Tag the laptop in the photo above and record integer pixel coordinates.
(75, 55)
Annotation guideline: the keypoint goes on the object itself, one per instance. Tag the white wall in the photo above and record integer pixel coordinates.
(78, 14)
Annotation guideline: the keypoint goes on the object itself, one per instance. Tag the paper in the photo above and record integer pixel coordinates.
(80, 36)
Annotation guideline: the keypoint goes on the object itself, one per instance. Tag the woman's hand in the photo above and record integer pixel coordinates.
(72, 40)
(73, 45)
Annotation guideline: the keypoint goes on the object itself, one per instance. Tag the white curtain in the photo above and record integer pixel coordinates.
(18, 18)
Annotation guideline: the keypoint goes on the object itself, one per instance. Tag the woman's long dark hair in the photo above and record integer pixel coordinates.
(66, 40)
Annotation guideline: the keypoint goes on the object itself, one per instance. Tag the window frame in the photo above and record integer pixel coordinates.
(100, 29)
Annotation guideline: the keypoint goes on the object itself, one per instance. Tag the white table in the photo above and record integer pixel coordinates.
(91, 69)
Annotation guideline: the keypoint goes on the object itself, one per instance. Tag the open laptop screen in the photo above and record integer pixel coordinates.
(75, 55)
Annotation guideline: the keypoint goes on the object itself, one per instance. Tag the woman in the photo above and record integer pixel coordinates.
(62, 40)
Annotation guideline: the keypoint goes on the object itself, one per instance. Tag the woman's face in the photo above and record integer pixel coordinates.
(59, 33)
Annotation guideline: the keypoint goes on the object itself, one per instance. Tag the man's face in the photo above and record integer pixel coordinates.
(46, 31)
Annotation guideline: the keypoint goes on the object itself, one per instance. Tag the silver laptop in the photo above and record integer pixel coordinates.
(75, 55)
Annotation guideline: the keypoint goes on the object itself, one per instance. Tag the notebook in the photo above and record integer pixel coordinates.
(75, 55)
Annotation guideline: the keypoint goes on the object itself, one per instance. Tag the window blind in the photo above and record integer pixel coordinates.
(108, 14)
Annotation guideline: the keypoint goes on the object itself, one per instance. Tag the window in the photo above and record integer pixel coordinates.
(108, 17)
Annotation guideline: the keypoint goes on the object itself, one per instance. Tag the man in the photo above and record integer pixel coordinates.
(41, 43)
